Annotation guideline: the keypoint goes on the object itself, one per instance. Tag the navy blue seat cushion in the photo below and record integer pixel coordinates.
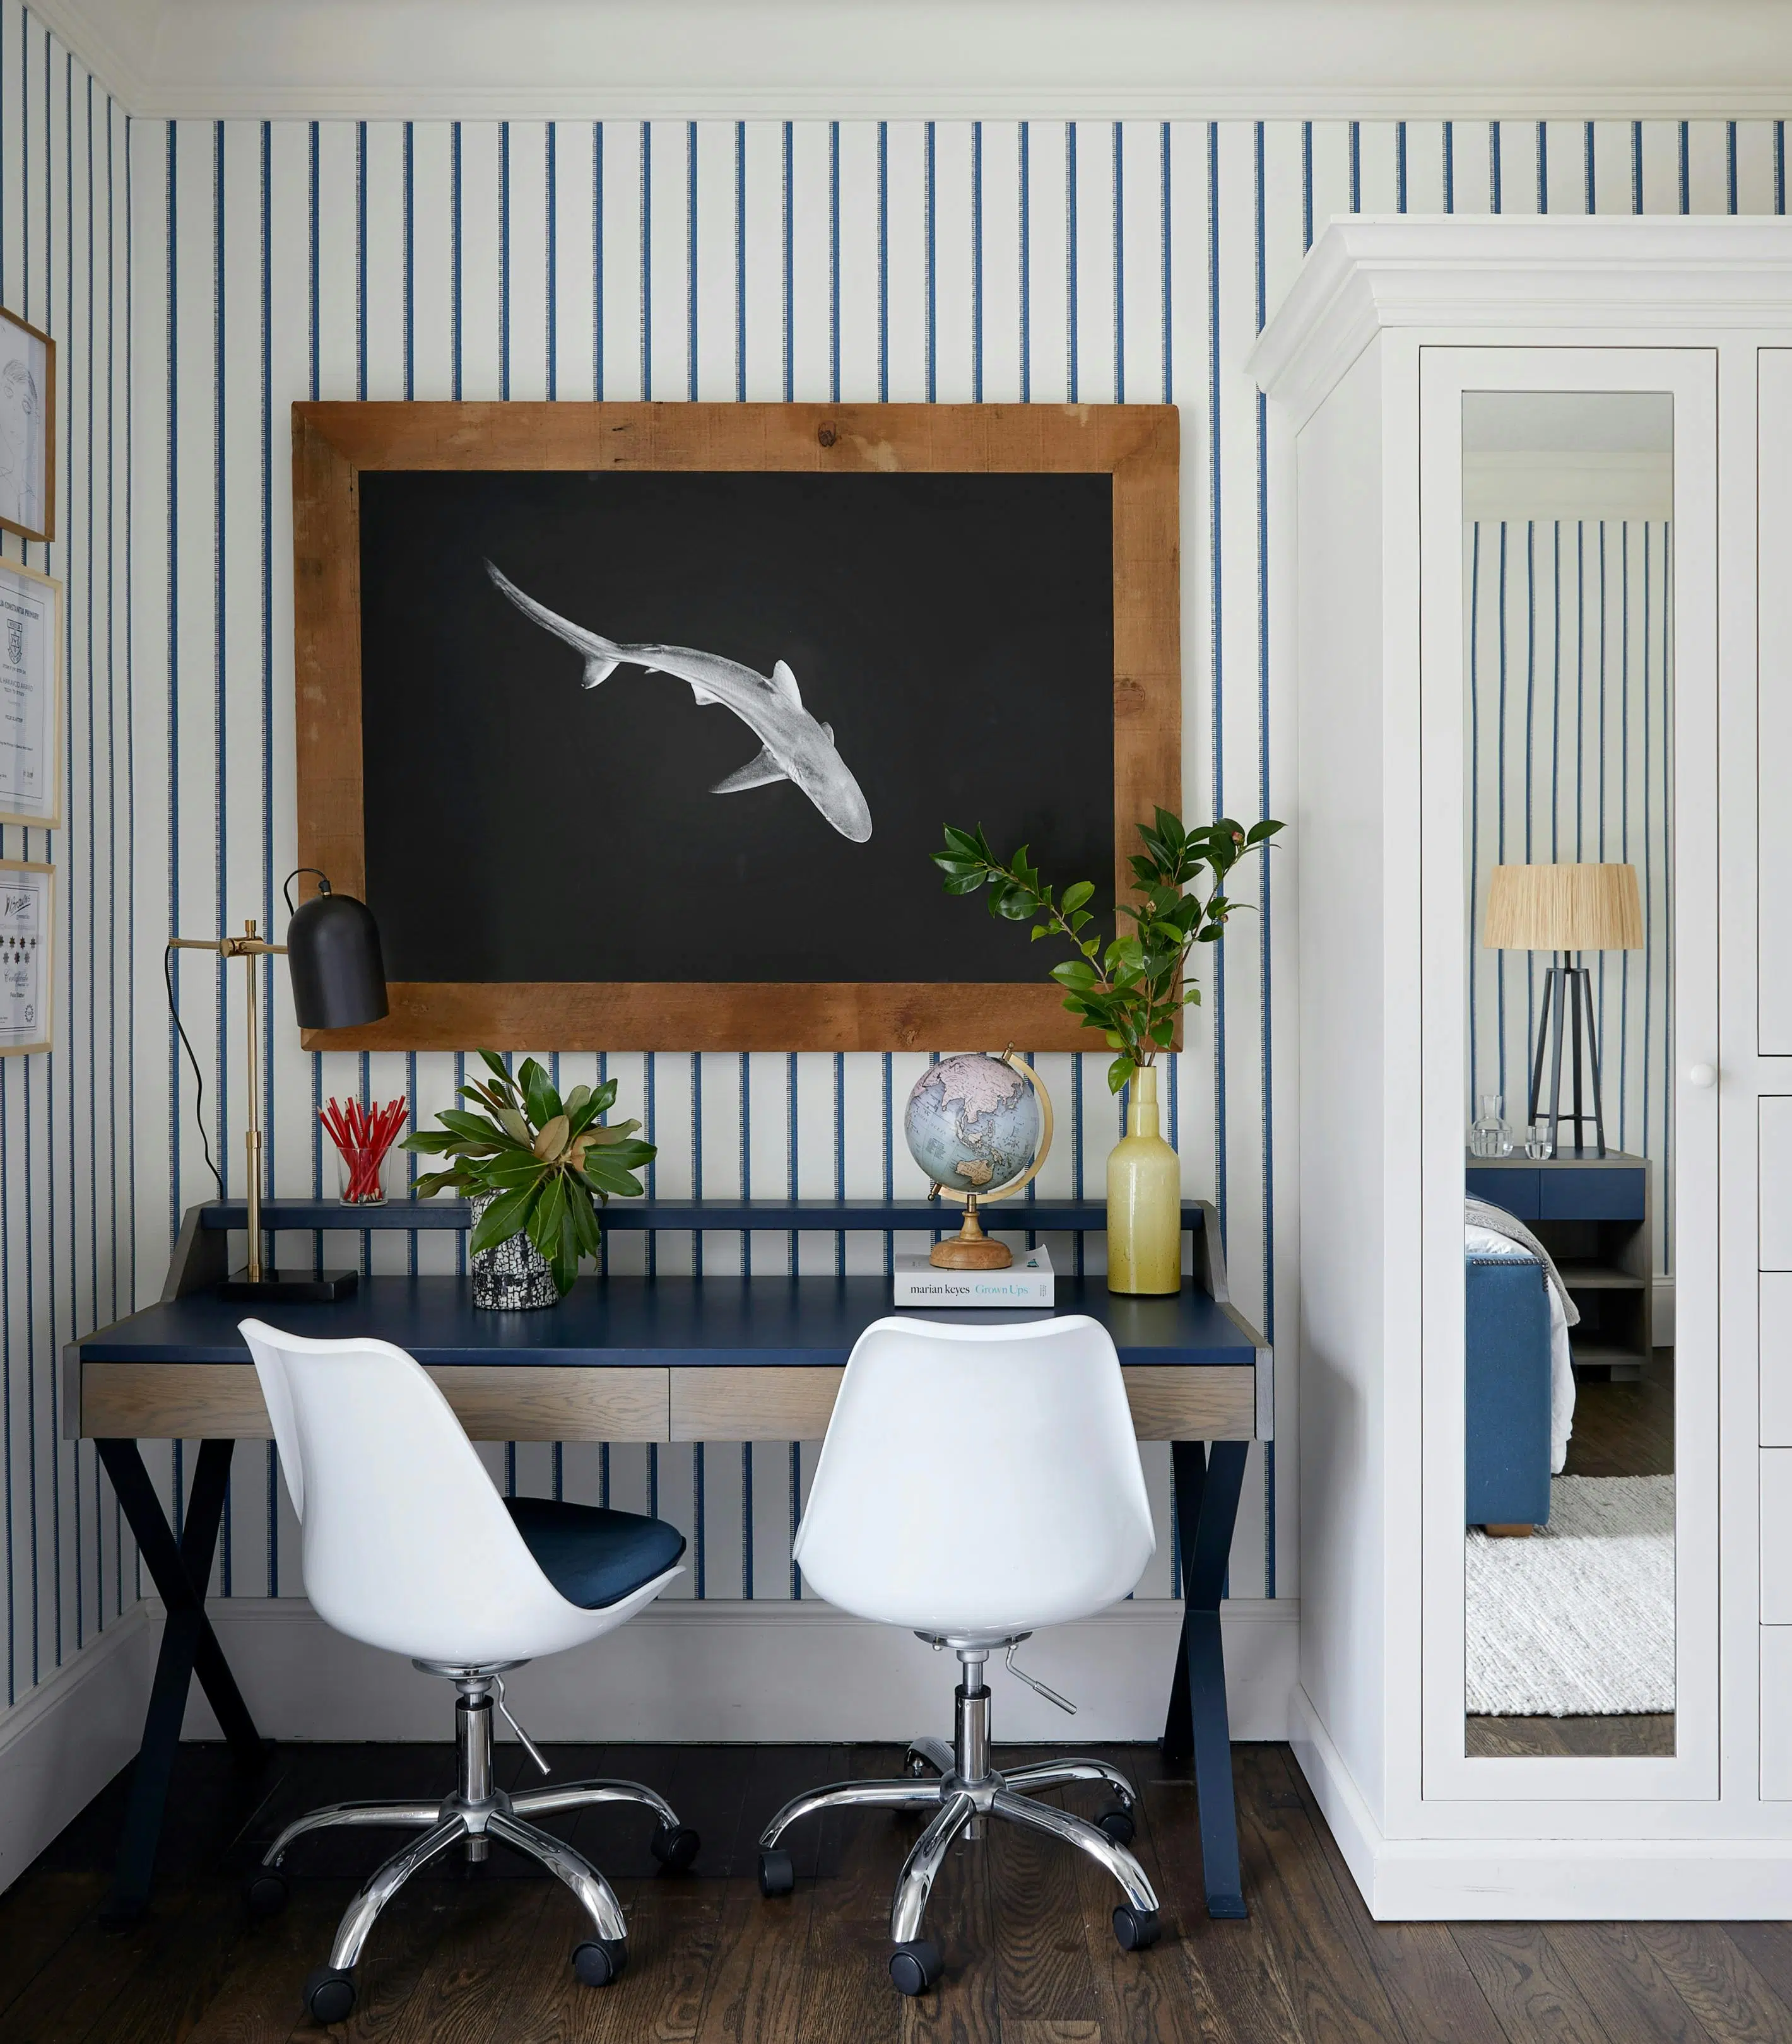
(594, 1557)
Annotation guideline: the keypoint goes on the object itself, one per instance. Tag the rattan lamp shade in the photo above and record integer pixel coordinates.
(1564, 909)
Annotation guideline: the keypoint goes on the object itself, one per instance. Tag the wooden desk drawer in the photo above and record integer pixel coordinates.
(499, 1402)
(772, 1402)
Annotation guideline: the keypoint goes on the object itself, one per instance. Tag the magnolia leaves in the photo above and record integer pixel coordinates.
(547, 1163)
(1130, 989)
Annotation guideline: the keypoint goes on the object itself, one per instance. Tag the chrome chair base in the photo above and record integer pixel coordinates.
(963, 1791)
(471, 1816)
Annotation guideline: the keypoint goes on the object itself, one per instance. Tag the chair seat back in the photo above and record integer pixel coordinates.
(406, 1543)
(978, 1479)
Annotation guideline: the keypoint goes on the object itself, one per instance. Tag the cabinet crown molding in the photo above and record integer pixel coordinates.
(1443, 273)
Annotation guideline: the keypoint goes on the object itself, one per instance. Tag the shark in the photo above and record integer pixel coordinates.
(793, 746)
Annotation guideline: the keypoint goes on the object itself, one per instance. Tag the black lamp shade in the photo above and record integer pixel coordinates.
(333, 955)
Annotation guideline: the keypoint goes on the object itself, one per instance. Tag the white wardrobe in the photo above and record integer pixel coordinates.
(1539, 608)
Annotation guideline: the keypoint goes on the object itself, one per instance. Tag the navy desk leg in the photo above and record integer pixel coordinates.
(180, 1571)
(1207, 1489)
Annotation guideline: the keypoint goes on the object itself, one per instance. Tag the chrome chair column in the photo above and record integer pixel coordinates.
(966, 1790)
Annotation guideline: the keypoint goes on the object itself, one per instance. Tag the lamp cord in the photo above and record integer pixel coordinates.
(198, 1077)
(285, 885)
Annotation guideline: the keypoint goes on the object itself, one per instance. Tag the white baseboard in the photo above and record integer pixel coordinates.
(1482, 1880)
(62, 1743)
(754, 1673)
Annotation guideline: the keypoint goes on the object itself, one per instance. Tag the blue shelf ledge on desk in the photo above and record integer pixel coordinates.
(1069, 1216)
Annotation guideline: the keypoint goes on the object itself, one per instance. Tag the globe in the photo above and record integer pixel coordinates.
(973, 1123)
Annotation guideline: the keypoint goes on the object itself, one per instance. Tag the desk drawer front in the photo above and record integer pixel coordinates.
(506, 1402)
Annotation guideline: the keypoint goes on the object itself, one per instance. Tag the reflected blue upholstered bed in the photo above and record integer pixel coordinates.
(1507, 1384)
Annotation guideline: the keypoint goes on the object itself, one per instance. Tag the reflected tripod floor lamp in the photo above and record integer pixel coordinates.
(1566, 910)
(338, 975)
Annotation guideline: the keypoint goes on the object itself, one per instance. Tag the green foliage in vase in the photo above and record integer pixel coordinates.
(548, 1162)
(1132, 989)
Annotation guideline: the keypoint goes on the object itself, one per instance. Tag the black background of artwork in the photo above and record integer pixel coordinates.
(956, 630)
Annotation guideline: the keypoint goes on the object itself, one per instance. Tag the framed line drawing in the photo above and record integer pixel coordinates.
(636, 724)
(27, 948)
(31, 683)
(28, 440)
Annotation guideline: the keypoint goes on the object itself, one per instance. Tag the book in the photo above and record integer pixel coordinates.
(1027, 1281)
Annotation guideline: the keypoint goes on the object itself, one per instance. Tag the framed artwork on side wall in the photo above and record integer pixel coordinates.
(636, 725)
(30, 696)
(28, 922)
(28, 440)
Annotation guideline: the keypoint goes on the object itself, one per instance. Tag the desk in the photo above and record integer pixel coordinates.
(634, 1358)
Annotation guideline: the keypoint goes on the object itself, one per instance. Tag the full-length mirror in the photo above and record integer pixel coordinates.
(1568, 564)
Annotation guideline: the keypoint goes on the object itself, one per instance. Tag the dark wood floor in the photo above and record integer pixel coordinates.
(1622, 1428)
(482, 1958)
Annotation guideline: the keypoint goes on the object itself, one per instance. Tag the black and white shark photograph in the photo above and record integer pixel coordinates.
(717, 720)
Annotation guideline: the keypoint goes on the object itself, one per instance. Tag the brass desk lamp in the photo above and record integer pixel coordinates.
(338, 980)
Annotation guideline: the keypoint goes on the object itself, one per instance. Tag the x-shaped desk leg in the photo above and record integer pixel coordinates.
(180, 1571)
(1207, 1488)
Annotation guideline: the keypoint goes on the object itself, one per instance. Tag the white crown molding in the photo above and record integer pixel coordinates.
(1000, 58)
(1369, 273)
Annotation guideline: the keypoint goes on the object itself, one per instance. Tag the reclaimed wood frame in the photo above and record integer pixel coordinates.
(1138, 445)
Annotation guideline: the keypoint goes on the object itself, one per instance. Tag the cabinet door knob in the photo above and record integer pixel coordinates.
(1702, 1075)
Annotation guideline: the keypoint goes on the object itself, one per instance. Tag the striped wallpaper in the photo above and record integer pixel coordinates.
(1569, 697)
(917, 261)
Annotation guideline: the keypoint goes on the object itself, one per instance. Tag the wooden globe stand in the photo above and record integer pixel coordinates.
(971, 1249)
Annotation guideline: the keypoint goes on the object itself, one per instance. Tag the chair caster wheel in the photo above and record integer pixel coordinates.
(330, 1996)
(674, 1847)
(599, 1961)
(266, 1892)
(1137, 1930)
(915, 1967)
(777, 1876)
(1117, 1823)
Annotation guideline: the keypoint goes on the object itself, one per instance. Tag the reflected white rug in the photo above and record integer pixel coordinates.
(1578, 1620)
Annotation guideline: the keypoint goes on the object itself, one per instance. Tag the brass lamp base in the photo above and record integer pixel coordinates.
(970, 1249)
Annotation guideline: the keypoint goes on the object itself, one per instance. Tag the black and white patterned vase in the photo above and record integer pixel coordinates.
(513, 1278)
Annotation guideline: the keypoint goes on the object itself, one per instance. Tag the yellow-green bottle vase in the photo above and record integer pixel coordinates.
(1144, 1200)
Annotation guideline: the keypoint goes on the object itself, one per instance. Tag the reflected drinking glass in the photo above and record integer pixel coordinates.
(1487, 1138)
(1538, 1144)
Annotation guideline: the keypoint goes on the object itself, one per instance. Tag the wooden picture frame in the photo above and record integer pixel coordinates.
(334, 443)
(46, 814)
(27, 394)
(19, 1037)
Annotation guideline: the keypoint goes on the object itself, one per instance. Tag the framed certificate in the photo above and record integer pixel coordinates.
(28, 440)
(30, 696)
(27, 931)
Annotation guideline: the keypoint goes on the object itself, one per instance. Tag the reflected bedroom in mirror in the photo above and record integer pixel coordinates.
(1568, 1234)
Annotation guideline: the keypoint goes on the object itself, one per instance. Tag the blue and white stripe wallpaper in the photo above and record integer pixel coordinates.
(72, 1146)
(1570, 708)
(1042, 262)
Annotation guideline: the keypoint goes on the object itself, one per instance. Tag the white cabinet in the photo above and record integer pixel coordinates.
(1394, 332)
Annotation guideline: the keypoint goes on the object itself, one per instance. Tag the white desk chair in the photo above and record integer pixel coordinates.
(1045, 1520)
(407, 1545)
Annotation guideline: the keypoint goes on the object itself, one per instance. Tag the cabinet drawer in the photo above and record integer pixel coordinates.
(1776, 1536)
(1595, 1194)
(1776, 1184)
(1776, 1713)
(1776, 1359)
(1515, 1191)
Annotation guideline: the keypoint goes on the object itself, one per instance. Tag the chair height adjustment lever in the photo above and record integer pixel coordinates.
(1032, 1683)
(529, 1746)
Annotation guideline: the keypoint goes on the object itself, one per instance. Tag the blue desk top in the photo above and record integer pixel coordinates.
(669, 1320)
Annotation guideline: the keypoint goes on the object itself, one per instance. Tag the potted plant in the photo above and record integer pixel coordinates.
(1132, 990)
(536, 1168)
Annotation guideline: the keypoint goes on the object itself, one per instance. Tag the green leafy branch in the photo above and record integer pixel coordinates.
(549, 1163)
(1131, 988)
